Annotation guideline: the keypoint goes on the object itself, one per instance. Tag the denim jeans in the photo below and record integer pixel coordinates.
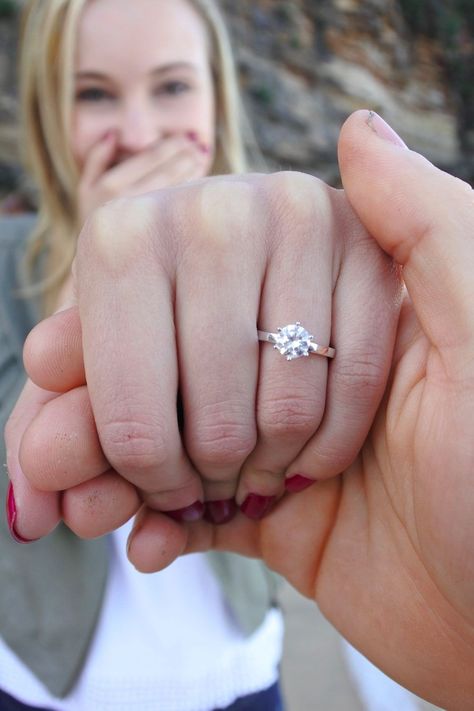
(8, 703)
(267, 700)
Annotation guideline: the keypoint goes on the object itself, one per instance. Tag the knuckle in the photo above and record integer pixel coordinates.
(296, 195)
(224, 209)
(130, 444)
(291, 182)
(220, 441)
(289, 417)
(363, 375)
(221, 445)
(331, 457)
(300, 207)
(116, 223)
(170, 489)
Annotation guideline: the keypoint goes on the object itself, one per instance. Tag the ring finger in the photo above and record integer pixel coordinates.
(291, 394)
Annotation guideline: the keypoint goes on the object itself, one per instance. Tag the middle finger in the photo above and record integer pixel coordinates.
(218, 291)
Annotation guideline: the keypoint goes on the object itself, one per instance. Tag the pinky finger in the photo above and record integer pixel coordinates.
(359, 372)
(31, 514)
(100, 505)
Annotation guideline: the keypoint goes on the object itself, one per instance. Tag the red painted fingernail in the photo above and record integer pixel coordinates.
(188, 514)
(297, 483)
(11, 517)
(256, 506)
(192, 135)
(220, 512)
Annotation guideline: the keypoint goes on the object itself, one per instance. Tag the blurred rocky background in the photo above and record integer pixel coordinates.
(306, 64)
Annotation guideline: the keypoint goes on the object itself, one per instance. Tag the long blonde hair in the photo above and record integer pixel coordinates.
(48, 45)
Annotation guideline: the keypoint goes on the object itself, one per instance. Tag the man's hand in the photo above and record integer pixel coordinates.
(386, 548)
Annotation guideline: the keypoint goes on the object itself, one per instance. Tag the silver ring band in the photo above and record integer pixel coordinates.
(294, 341)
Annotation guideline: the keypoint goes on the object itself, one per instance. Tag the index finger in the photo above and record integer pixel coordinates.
(99, 158)
(126, 309)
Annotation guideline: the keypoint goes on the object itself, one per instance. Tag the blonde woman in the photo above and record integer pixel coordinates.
(384, 548)
(182, 121)
(120, 98)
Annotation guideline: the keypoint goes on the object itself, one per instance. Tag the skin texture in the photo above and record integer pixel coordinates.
(127, 123)
(144, 99)
(225, 420)
(385, 548)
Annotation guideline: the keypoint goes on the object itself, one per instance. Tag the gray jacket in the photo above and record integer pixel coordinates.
(51, 590)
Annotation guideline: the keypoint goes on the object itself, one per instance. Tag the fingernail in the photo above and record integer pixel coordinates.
(383, 130)
(256, 506)
(297, 483)
(192, 135)
(204, 149)
(220, 512)
(137, 526)
(108, 135)
(188, 514)
(11, 517)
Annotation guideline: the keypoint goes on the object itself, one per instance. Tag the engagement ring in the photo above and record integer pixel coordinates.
(294, 341)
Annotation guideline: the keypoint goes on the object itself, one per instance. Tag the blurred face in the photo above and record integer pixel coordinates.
(142, 71)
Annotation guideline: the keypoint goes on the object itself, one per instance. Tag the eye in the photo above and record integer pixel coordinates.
(93, 94)
(172, 88)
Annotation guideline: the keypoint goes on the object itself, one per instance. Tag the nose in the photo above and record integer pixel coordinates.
(138, 128)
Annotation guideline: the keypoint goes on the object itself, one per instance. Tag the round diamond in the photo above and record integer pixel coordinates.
(293, 341)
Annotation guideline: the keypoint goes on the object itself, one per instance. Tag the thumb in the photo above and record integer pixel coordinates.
(423, 218)
(52, 353)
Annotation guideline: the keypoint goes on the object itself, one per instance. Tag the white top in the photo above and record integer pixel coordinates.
(164, 642)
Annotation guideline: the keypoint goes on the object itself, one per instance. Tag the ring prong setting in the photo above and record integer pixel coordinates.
(294, 341)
